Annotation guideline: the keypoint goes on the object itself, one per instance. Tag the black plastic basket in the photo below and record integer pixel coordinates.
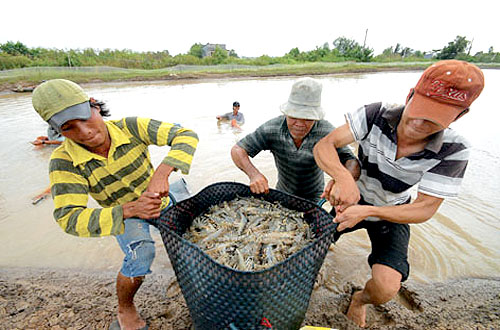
(219, 297)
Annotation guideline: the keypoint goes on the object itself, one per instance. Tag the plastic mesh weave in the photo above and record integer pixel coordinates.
(219, 297)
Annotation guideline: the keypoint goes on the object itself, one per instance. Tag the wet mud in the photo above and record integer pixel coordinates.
(62, 299)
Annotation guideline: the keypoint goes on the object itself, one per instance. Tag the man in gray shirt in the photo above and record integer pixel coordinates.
(235, 117)
(291, 139)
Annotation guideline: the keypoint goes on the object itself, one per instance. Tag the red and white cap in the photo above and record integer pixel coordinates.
(445, 90)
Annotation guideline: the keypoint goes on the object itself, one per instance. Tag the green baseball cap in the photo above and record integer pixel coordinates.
(59, 100)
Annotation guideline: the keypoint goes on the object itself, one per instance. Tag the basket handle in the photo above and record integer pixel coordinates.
(321, 202)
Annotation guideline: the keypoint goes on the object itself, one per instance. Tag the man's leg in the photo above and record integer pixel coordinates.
(138, 247)
(126, 287)
(389, 263)
(381, 288)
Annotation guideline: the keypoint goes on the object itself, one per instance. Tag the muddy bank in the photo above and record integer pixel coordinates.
(59, 299)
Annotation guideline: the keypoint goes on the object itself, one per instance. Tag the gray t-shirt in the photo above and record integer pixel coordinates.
(298, 173)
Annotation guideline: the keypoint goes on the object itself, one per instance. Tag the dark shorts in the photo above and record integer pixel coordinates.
(389, 244)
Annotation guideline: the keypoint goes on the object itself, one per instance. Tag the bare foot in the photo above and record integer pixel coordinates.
(129, 319)
(357, 310)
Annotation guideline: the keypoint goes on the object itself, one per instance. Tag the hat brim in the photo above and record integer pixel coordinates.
(302, 111)
(424, 107)
(78, 111)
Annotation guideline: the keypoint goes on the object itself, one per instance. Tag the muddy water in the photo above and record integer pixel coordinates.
(461, 240)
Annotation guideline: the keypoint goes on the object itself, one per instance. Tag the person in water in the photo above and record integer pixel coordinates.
(235, 117)
(52, 138)
(110, 161)
(399, 147)
(291, 138)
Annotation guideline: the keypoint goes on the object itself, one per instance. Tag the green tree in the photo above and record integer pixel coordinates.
(17, 48)
(232, 53)
(455, 48)
(388, 51)
(294, 53)
(219, 55)
(350, 49)
(195, 50)
(345, 46)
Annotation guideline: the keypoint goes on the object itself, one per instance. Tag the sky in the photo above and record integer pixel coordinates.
(251, 28)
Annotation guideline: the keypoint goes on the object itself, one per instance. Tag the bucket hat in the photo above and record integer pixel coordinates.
(304, 101)
(445, 90)
(59, 100)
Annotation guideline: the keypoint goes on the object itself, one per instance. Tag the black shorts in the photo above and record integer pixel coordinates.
(389, 244)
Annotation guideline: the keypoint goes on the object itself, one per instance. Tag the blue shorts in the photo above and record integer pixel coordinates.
(138, 246)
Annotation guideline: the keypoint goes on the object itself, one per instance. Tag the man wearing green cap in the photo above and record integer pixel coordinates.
(111, 162)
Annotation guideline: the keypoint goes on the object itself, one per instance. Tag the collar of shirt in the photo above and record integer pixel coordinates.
(80, 155)
(393, 116)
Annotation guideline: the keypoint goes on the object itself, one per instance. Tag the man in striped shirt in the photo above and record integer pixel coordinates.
(400, 147)
(110, 161)
(291, 139)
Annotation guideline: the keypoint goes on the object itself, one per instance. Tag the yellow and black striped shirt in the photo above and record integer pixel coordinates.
(122, 177)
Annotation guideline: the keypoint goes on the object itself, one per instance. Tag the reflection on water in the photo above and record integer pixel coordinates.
(461, 240)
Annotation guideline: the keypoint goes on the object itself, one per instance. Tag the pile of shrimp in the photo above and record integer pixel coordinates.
(249, 234)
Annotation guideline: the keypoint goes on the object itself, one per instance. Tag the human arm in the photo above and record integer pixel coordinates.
(235, 124)
(182, 141)
(147, 206)
(43, 140)
(344, 192)
(159, 181)
(352, 165)
(70, 190)
(349, 161)
(421, 210)
(224, 116)
(258, 182)
(250, 146)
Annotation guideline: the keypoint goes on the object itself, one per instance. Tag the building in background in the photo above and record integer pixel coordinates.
(209, 49)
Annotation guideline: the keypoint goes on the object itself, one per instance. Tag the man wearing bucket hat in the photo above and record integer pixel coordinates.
(110, 161)
(291, 139)
(400, 147)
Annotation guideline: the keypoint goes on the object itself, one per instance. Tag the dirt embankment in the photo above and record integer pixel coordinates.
(50, 299)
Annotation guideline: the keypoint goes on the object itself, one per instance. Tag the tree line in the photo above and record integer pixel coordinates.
(17, 55)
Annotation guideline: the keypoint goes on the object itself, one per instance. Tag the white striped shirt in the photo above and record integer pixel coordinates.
(438, 169)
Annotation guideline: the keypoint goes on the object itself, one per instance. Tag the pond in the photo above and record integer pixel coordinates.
(461, 239)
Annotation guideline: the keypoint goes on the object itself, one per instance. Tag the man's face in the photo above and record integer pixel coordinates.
(417, 128)
(235, 109)
(91, 133)
(299, 128)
